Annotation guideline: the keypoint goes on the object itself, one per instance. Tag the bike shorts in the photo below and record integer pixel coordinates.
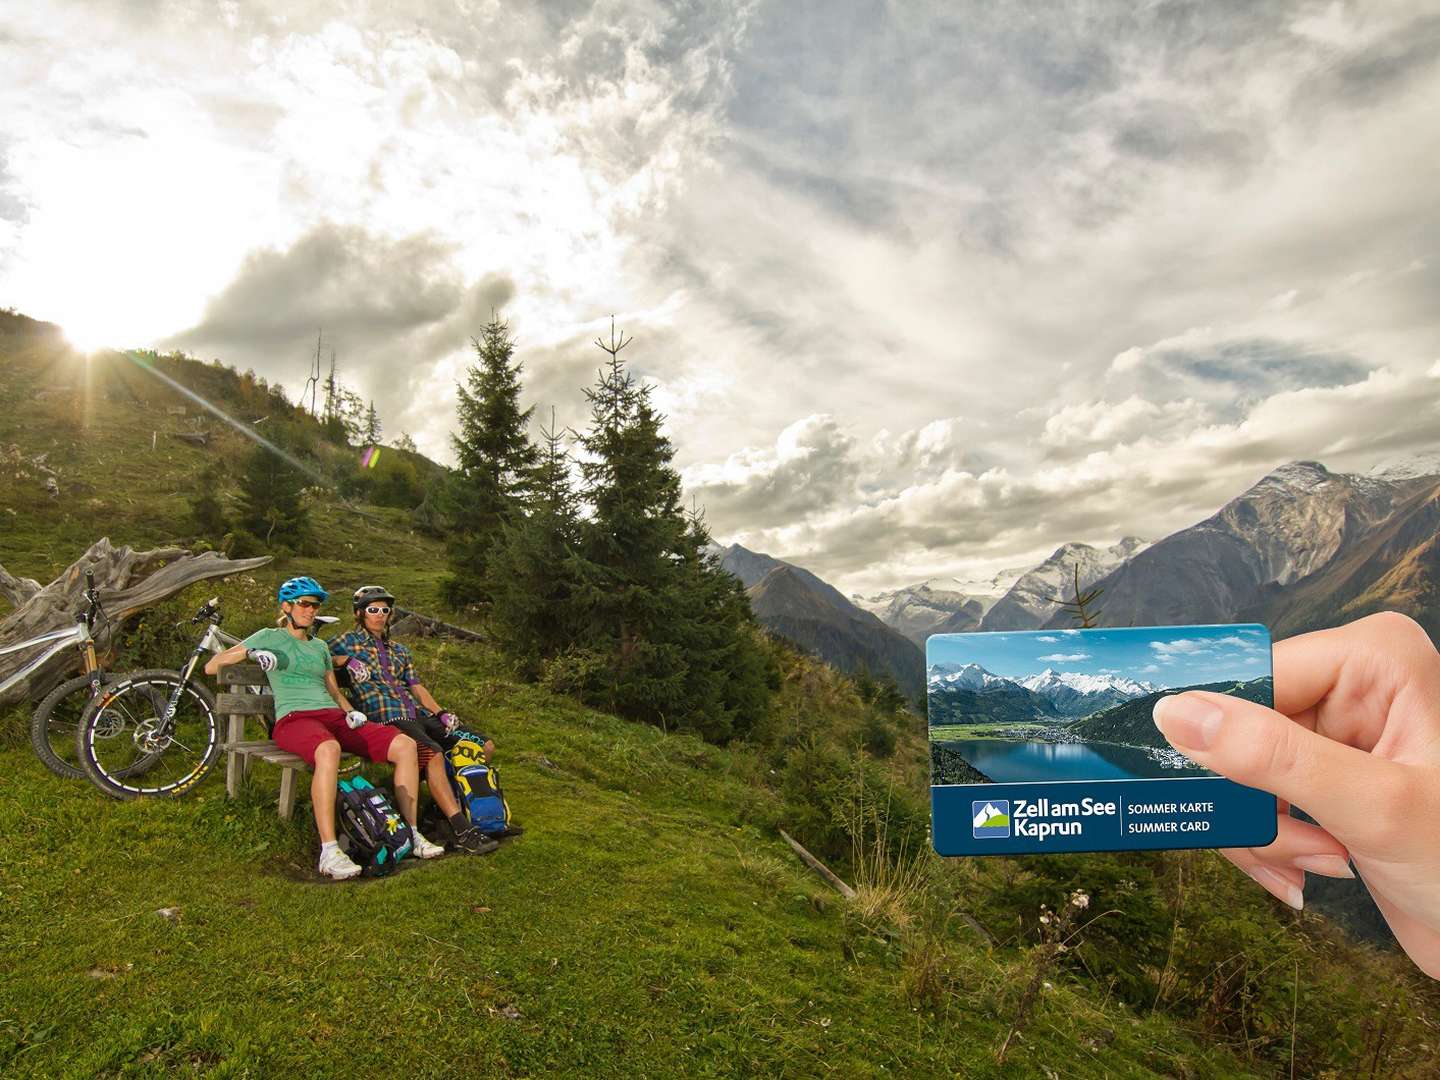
(303, 732)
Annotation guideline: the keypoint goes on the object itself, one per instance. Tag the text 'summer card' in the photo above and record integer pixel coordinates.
(1042, 741)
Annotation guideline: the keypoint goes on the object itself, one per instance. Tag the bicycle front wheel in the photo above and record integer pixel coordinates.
(54, 723)
(149, 734)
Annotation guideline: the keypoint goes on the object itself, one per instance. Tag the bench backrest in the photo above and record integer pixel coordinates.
(233, 702)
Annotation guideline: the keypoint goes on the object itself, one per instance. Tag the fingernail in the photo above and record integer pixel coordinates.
(1187, 721)
(1280, 886)
(1329, 865)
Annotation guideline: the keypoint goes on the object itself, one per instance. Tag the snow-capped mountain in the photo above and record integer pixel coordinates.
(1057, 693)
(1036, 595)
(918, 610)
(966, 677)
(1413, 467)
(1072, 693)
(1297, 521)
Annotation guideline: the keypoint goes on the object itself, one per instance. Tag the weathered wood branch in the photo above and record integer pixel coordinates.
(128, 581)
(17, 590)
(819, 867)
(425, 625)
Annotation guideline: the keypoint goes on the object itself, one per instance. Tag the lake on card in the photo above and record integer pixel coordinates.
(1007, 762)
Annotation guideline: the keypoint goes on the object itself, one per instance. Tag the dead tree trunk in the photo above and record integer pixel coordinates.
(129, 582)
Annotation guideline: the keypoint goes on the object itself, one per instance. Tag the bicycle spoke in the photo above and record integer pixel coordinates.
(134, 748)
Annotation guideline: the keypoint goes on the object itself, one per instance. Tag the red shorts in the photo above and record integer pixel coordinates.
(303, 731)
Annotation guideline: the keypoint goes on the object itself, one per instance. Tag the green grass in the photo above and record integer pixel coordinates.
(648, 923)
(946, 732)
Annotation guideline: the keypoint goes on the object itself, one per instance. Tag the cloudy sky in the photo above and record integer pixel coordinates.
(924, 288)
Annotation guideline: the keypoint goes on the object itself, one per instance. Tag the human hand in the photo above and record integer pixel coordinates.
(265, 658)
(358, 671)
(448, 719)
(355, 718)
(1354, 740)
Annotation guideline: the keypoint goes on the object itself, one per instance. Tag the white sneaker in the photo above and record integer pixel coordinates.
(336, 864)
(423, 848)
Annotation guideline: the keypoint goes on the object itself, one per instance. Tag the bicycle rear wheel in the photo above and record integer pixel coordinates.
(54, 723)
(129, 743)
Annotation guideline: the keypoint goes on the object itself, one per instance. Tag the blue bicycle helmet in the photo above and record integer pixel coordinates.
(297, 587)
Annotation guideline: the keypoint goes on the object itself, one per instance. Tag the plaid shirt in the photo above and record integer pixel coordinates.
(384, 697)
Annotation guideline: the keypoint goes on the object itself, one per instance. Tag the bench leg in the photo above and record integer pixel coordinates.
(287, 792)
(233, 763)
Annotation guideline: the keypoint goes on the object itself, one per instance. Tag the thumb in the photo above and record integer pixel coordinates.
(1336, 784)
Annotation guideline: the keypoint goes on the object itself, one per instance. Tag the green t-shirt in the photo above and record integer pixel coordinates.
(298, 681)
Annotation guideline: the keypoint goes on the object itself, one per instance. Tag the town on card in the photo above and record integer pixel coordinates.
(1042, 741)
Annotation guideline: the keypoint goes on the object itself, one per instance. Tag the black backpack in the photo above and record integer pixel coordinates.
(379, 837)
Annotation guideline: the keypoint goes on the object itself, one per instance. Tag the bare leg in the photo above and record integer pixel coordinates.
(440, 786)
(407, 776)
(322, 788)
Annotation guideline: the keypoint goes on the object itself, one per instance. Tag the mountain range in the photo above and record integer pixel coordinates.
(1018, 599)
(967, 693)
(1302, 549)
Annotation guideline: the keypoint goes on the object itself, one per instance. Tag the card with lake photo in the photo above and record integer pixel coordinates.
(1043, 740)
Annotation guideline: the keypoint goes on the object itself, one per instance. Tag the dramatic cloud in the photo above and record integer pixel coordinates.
(924, 290)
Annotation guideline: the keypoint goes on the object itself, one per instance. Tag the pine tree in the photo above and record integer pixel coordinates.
(677, 630)
(371, 435)
(406, 443)
(271, 502)
(536, 574)
(494, 461)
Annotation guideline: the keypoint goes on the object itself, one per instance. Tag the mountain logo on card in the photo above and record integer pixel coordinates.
(991, 818)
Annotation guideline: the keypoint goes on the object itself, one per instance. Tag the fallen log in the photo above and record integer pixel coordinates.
(129, 582)
(427, 626)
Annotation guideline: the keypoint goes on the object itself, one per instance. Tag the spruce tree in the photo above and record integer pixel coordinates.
(494, 461)
(536, 575)
(677, 630)
(371, 435)
(272, 505)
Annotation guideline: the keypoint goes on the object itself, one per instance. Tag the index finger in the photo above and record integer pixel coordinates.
(1371, 658)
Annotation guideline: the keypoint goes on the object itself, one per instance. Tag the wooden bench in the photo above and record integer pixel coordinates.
(235, 704)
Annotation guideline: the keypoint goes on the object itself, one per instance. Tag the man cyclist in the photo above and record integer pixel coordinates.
(314, 720)
(384, 684)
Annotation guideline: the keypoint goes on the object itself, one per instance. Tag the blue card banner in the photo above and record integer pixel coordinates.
(1101, 815)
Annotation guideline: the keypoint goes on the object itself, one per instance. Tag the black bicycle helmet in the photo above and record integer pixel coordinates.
(368, 594)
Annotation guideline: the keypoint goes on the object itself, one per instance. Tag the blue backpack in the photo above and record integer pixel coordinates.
(477, 787)
(379, 837)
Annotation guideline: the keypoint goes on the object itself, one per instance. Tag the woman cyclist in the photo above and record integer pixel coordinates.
(314, 720)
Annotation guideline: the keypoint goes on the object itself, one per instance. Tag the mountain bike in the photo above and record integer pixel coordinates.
(56, 719)
(154, 732)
